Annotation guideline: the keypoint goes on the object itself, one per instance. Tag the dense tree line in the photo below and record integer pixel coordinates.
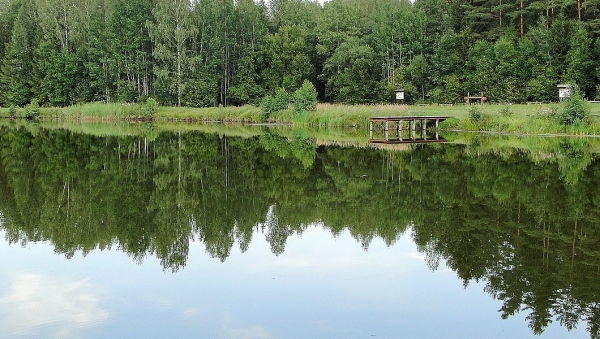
(225, 52)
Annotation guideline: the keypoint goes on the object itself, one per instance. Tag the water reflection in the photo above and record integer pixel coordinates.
(33, 301)
(523, 219)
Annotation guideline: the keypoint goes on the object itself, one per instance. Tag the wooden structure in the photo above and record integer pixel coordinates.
(564, 91)
(482, 99)
(396, 125)
(399, 95)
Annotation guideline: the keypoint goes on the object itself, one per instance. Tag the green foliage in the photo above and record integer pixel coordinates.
(270, 104)
(475, 113)
(150, 107)
(352, 73)
(305, 98)
(494, 182)
(448, 93)
(506, 111)
(574, 110)
(450, 124)
(171, 32)
(211, 53)
(32, 110)
(541, 89)
(286, 59)
(419, 69)
(12, 112)
(201, 91)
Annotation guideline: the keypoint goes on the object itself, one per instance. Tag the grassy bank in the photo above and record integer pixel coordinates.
(516, 119)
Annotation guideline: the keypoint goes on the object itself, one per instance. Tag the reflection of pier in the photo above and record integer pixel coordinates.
(394, 129)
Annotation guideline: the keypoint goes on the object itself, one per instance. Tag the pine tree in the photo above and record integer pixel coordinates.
(18, 60)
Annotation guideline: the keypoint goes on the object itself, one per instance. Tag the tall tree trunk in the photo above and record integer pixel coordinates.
(501, 13)
(522, 20)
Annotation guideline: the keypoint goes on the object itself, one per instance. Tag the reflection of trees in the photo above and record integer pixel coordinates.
(533, 237)
(524, 223)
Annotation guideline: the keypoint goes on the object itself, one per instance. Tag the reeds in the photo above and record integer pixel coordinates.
(513, 119)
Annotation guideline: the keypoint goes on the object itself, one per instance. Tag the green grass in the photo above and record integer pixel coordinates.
(244, 114)
(512, 119)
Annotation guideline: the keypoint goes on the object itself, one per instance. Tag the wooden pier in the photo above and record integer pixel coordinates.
(396, 126)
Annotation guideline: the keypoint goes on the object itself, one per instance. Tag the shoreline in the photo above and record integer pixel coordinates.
(522, 119)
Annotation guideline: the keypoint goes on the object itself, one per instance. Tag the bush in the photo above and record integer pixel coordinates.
(270, 104)
(32, 111)
(506, 111)
(282, 99)
(574, 110)
(267, 106)
(150, 107)
(450, 123)
(305, 98)
(474, 114)
(12, 111)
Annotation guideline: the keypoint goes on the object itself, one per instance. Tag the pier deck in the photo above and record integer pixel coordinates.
(397, 123)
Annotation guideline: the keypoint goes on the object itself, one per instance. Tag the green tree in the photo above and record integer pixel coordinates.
(480, 72)
(352, 73)
(98, 61)
(17, 64)
(285, 59)
(130, 57)
(245, 86)
(171, 32)
(305, 98)
(419, 70)
(579, 59)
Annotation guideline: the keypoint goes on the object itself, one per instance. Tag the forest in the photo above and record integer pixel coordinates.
(203, 53)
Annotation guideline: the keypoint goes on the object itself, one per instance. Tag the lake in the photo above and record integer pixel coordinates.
(231, 232)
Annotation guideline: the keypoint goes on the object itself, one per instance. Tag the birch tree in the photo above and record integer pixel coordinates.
(171, 32)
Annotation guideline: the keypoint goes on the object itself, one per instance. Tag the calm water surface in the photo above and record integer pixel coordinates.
(195, 235)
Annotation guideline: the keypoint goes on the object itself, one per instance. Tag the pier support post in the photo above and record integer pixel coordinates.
(400, 129)
(386, 128)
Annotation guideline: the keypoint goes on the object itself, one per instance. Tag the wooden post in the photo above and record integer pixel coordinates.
(371, 129)
(386, 129)
(400, 129)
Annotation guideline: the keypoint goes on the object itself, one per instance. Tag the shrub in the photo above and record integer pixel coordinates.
(574, 110)
(282, 99)
(270, 104)
(305, 98)
(150, 107)
(12, 111)
(506, 111)
(474, 114)
(32, 111)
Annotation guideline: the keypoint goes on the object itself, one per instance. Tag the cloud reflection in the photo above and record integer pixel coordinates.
(40, 305)
(254, 332)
